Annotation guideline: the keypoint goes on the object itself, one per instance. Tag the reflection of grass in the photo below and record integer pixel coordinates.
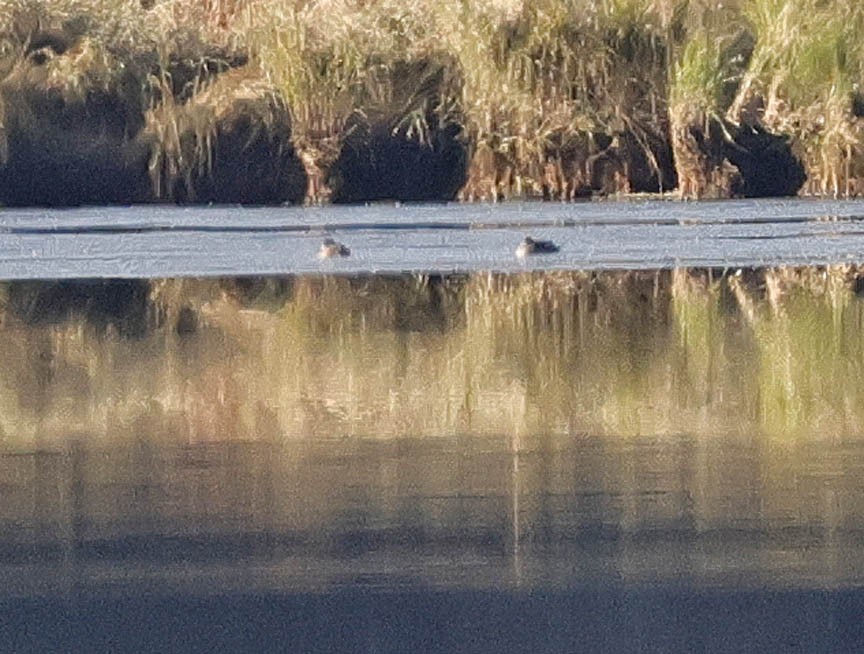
(809, 340)
(627, 354)
(710, 349)
(487, 363)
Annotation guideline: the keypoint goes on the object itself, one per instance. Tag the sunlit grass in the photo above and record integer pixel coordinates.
(805, 68)
(531, 83)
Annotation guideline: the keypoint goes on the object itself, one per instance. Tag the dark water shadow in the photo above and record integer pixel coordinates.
(362, 620)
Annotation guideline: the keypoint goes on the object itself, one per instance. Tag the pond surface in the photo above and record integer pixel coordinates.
(162, 241)
(655, 459)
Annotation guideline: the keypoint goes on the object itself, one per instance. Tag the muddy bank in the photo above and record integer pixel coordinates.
(228, 144)
(407, 147)
(69, 124)
(718, 159)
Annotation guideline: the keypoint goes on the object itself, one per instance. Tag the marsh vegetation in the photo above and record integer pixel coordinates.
(260, 102)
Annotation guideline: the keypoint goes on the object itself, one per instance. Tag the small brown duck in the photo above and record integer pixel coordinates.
(330, 248)
(533, 246)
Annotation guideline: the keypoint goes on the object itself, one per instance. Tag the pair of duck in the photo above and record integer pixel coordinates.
(330, 248)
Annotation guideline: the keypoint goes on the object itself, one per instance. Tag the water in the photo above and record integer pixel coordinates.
(169, 242)
(648, 460)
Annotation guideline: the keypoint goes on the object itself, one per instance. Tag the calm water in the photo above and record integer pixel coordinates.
(169, 241)
(653, 460)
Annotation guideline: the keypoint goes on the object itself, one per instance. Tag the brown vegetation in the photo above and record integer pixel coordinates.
(230, 142)
(195, 100)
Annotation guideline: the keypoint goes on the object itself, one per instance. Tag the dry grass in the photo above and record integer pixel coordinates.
(803, 79)
(535, 79)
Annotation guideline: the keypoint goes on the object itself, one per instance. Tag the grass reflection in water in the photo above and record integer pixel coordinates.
(649, 420)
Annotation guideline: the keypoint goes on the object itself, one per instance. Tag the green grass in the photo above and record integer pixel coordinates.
(806, 66)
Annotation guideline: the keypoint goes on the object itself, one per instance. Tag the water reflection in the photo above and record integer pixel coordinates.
(487, 432)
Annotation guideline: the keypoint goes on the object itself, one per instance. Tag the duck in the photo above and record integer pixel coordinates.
(533, 246)
(330, 248)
